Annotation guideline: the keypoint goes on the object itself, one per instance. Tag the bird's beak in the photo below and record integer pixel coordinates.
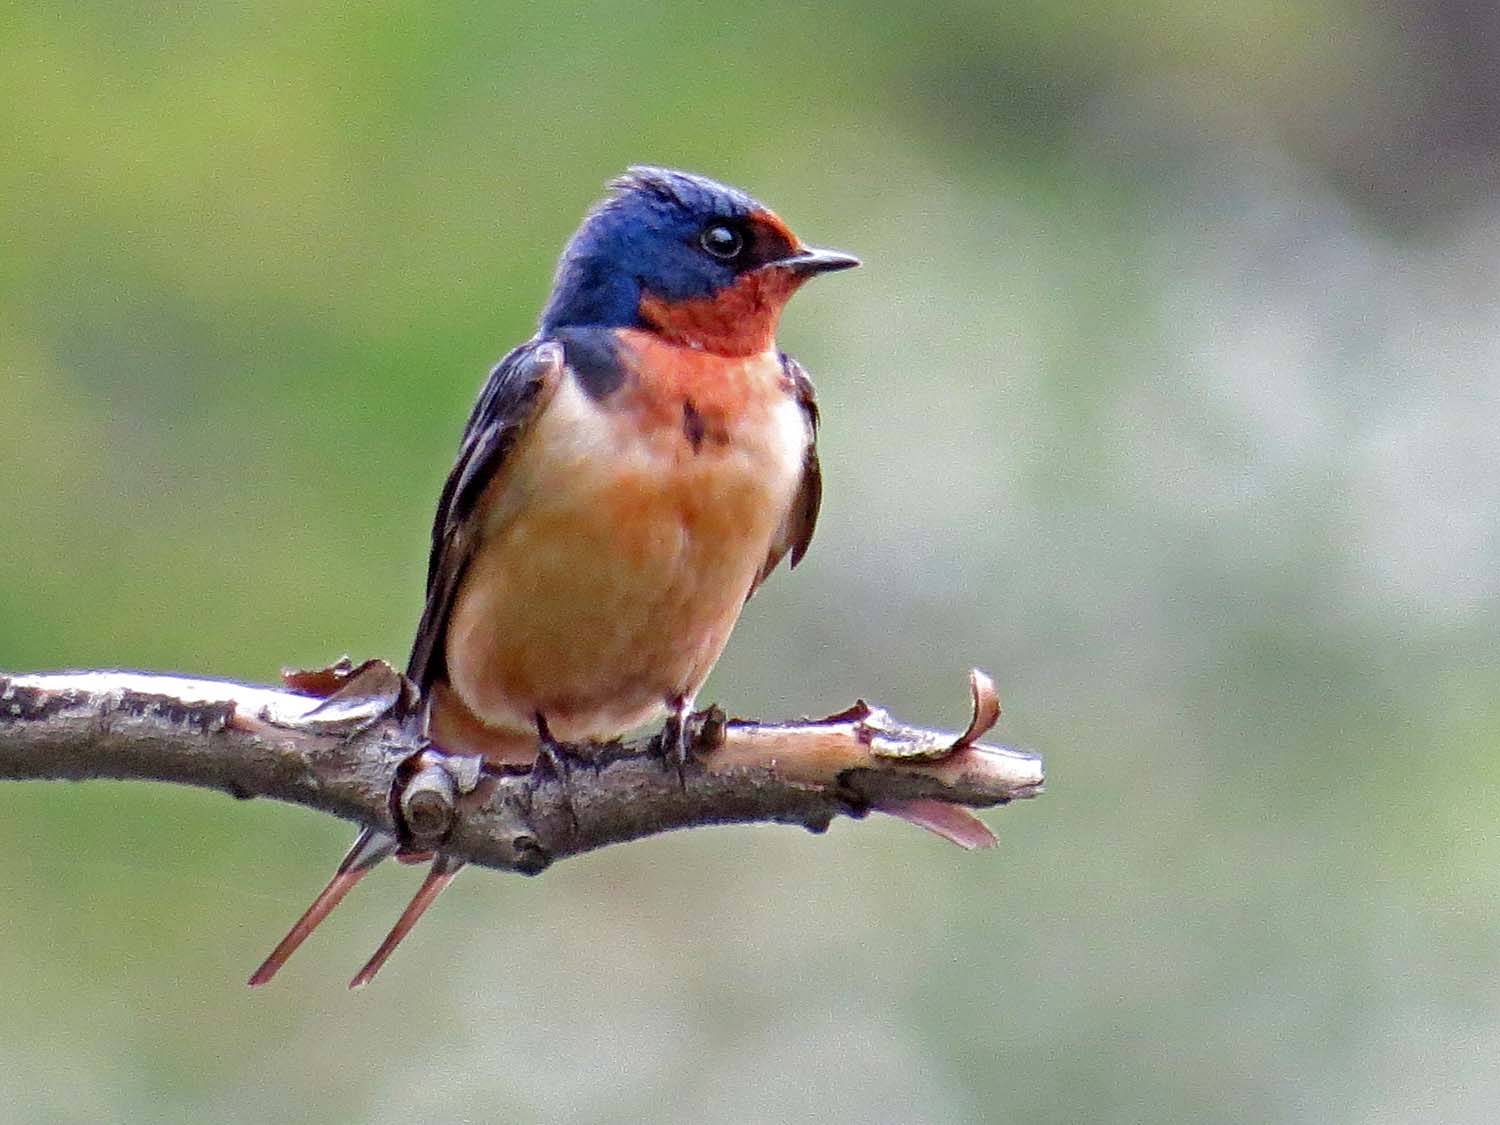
(808, 261)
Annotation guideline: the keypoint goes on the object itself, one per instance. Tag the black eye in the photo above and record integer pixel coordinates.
(722, 241)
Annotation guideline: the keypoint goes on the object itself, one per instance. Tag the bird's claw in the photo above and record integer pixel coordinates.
(676, 740)
(552, 765)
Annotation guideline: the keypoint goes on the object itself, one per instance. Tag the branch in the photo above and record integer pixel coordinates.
(343, 742)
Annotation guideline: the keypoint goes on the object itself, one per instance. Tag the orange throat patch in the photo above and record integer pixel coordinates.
(737, 321)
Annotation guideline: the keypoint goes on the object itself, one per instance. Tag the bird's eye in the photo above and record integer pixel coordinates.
(722, 241)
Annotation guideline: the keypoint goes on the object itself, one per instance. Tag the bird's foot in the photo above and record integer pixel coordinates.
(553, 758)
(553, 763)
(676, 743)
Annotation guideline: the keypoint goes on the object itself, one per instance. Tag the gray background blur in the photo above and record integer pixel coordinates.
(1167, 394)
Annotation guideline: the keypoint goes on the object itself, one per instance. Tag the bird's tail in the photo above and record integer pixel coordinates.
(370, 848)
(439, 875)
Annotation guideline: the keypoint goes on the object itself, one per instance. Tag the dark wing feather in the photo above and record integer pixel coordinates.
(796, 529)
(505, 406)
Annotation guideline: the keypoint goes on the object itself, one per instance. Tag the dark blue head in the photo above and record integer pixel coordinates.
(666, 238)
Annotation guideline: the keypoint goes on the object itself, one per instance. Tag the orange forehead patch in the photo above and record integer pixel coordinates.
(777, 231)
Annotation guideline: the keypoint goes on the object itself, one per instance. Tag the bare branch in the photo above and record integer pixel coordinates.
(353, 755)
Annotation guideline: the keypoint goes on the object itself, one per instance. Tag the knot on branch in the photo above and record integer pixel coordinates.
(426, 795)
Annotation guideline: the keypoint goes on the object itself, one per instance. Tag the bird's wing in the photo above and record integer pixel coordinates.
(509, 401)
(796, 530)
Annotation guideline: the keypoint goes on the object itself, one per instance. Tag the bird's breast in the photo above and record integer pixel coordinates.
(711, 443)
(624, 538)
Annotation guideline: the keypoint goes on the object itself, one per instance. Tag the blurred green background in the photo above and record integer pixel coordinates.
(1167, 394)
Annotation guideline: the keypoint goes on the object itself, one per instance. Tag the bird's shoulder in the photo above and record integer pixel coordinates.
(511, 397)
(514, 395)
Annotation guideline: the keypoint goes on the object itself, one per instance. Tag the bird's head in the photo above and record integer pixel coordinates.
(700, 263)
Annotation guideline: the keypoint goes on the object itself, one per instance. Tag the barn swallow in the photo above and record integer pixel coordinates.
(628, 477)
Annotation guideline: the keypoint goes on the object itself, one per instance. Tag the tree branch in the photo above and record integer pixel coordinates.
(344, 742)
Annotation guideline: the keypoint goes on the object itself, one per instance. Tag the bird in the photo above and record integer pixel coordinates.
(627, 479)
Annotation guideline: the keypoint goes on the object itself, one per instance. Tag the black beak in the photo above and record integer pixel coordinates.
(810, 261)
